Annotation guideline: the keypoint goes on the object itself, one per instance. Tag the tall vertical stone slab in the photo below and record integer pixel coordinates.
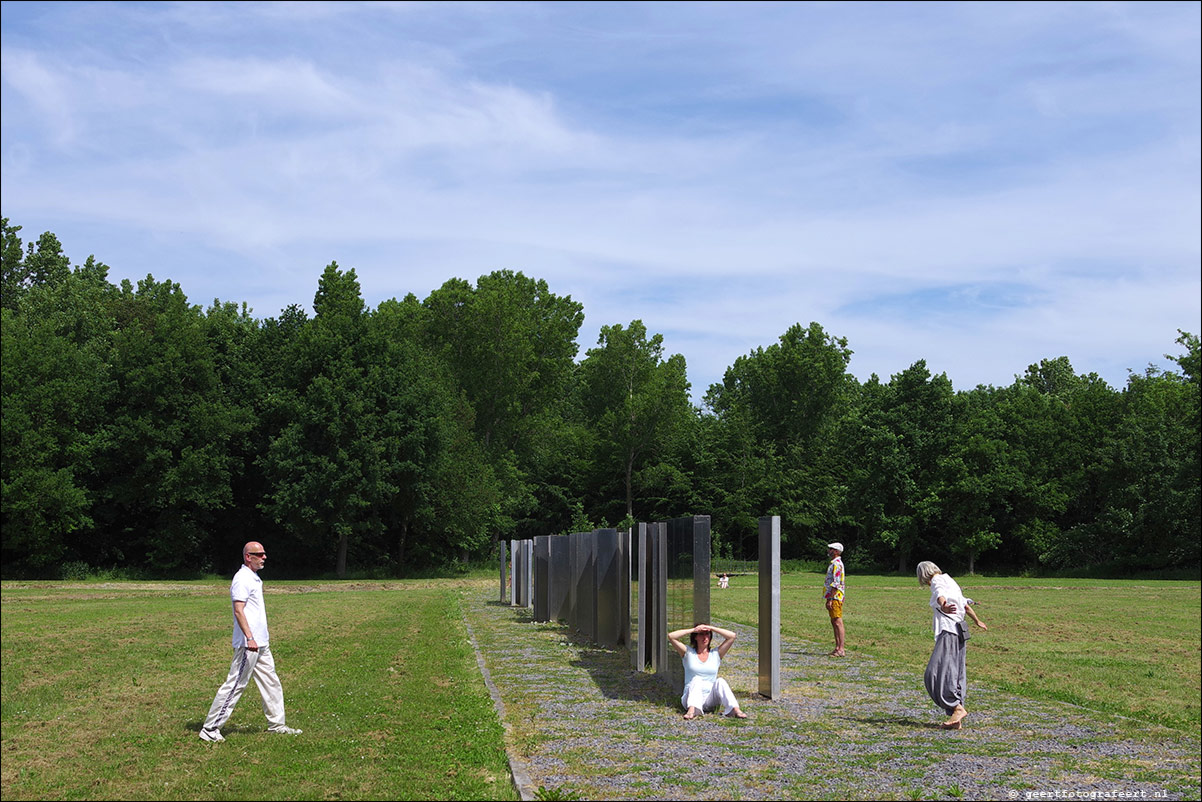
(504, 562)
(588, 574)
(642, 622)
(584, 582)
(513, 572)
(659, 615)
(569, 607)
(519, 575)
(687, 583)
(561, 572)
(624, 591)
(701, 567)
(542, 577)
(769, 607)
(678, 573)
(528, 547)
(605, 544)
(523, 572)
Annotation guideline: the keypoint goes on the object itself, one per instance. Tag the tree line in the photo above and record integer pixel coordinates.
(146, 433)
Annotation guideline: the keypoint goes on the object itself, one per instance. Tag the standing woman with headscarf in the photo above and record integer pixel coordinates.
(946, 674)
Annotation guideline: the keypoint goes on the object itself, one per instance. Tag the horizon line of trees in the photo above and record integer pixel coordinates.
(144, 432)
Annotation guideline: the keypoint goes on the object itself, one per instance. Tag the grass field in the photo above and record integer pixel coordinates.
(1121, 646)
(104, 685)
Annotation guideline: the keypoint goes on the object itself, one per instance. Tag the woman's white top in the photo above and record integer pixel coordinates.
(943, 585)
(694, 667)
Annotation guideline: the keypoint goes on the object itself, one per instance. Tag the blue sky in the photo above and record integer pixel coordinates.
(978, 185)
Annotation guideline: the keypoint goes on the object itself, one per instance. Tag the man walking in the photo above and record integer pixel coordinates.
(252, 653)
(834, 594)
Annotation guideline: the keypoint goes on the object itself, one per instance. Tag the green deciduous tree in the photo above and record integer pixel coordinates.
(440, 496)
(904, 440)
(56, 383)
(510, 344)
(779, 407)
(168, 461)
(141, 431)
(322, 468)
(635, 403)
(374, 459)
(43, 264)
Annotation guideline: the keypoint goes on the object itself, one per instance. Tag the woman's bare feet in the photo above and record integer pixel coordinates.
(954, 723)
(736, 713)
(692, 714)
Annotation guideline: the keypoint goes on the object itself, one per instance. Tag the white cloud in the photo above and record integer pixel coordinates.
(43, 90)
(719, 173)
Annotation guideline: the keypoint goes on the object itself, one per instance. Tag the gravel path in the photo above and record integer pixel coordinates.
(582, 724)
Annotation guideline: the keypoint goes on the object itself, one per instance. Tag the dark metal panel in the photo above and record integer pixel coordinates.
(605, 546)
(561, 575)
(584, 582)
(659, 581)
(514, 566)
(542, 577)
(643, 625)
(501, 549)
(528, 553)
(624, 589)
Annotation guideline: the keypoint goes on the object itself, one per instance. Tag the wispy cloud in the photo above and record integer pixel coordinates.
(979, 185)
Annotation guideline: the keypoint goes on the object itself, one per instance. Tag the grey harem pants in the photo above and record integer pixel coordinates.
(945, 677)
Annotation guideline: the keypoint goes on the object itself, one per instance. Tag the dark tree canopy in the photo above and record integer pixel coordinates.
(144, 433)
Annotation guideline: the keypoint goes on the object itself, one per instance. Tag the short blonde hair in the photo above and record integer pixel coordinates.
(926, 571)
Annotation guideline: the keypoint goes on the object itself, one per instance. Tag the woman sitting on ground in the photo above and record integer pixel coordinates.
(703, 690)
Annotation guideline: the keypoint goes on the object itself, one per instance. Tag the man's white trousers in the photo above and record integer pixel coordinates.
(247, 664)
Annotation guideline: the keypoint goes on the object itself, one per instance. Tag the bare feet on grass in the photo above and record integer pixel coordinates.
(955, 722)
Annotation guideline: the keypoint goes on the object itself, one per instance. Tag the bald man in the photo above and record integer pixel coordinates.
(252, 653)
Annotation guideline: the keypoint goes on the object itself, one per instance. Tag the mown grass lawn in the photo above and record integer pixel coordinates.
(105, 685)
(1122, 646)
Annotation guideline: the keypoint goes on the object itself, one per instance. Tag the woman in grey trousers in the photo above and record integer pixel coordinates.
(945, 676)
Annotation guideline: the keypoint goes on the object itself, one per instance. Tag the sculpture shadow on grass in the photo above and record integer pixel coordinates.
(615, 677)
(611, 669)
